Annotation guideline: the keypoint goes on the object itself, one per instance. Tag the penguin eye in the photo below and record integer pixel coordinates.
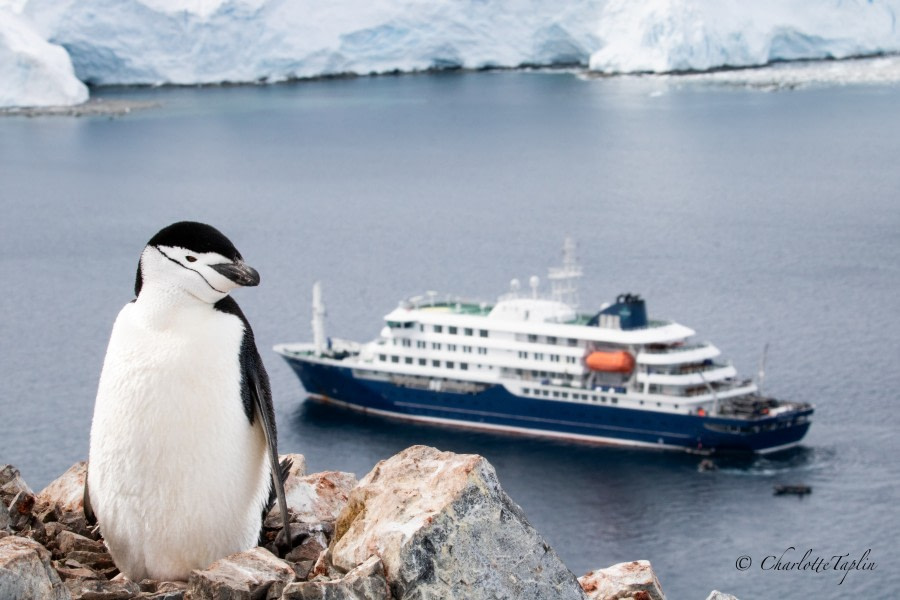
(190, 258)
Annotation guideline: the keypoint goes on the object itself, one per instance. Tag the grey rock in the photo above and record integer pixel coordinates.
(101, 589)
(69, 541)
(623, 581)
(4, 519)
(444, 528)
(20, 512)
(244, 575)
(717, 595)
(11, 483)
(365, 582)
(26, 572)
(166, 590)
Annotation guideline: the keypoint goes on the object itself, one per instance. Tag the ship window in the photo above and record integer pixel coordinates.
(467, 349)
(570, 360)
(614, 400)
(538, 356)
(435, 363)
(452, 330)
(395, 359)
(523, 354)
(407, 343)
(573, 342)
(382, 357)
(435, 346)
(464, 366)
(565, 395)
(468, 331)
(482, 351)
(555, 394)
(420, 344)
(422, 361)
(451, 347)
(449, 364)
(532, 337)
(482, 332)
(554, 357)
(438, 329)
(408, 360)
(421, 327)
(551, 339)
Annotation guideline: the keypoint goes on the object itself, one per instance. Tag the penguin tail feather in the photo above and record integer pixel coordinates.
(284, 467)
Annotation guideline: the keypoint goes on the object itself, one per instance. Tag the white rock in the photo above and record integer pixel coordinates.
(34, 72)
(365, 582)
(444, 528)
(317, 498)
(247, 574)
(717, 595)
(623, 581)
(65, 494)
(26, 572)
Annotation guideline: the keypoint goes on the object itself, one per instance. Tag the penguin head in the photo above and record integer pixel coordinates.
(195, 258)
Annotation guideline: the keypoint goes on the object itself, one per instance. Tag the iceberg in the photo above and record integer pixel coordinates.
(661, 36)
(33, 72)
(212, 41)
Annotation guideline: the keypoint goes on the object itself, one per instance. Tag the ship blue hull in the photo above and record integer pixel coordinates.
(497, 408)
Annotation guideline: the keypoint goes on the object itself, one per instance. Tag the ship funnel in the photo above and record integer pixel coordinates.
(318, 319)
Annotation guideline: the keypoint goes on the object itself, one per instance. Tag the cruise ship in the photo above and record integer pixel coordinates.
(532, 363)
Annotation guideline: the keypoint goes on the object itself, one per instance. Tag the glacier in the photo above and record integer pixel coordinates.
(665, 36)
(155, 42)
(211, 41)
(34, 72)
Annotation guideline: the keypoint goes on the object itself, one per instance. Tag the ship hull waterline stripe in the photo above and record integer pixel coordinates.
(538, 420)
(597, 439)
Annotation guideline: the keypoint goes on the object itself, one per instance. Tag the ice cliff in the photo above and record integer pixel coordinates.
(34, 72)
(698, 35)
(211, 41)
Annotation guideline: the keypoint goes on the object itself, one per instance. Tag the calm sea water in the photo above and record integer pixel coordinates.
(752, 217)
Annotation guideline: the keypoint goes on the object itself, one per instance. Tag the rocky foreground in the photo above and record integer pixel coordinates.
(423, 524)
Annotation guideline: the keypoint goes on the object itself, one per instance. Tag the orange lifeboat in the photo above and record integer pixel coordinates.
(612, 362)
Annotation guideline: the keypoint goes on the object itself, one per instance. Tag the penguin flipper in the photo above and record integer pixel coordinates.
(284, 538)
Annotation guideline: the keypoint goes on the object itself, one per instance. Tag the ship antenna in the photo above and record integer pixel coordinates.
(318, 319)
(564, 279)
(761, 375)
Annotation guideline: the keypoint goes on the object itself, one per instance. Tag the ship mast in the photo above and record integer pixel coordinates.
(318, 319)
(564, 279)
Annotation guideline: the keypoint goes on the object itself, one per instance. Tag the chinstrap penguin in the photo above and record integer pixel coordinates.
(183, 442)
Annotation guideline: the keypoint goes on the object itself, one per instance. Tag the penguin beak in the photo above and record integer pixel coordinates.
(238, 272)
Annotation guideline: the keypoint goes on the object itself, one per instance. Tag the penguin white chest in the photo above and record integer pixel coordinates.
(177, 474)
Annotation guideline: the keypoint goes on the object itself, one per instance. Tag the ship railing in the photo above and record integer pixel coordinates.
(671, 349)
(436, 300)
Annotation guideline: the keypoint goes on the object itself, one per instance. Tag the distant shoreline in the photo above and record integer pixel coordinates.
(115, 108)
(91, 108)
